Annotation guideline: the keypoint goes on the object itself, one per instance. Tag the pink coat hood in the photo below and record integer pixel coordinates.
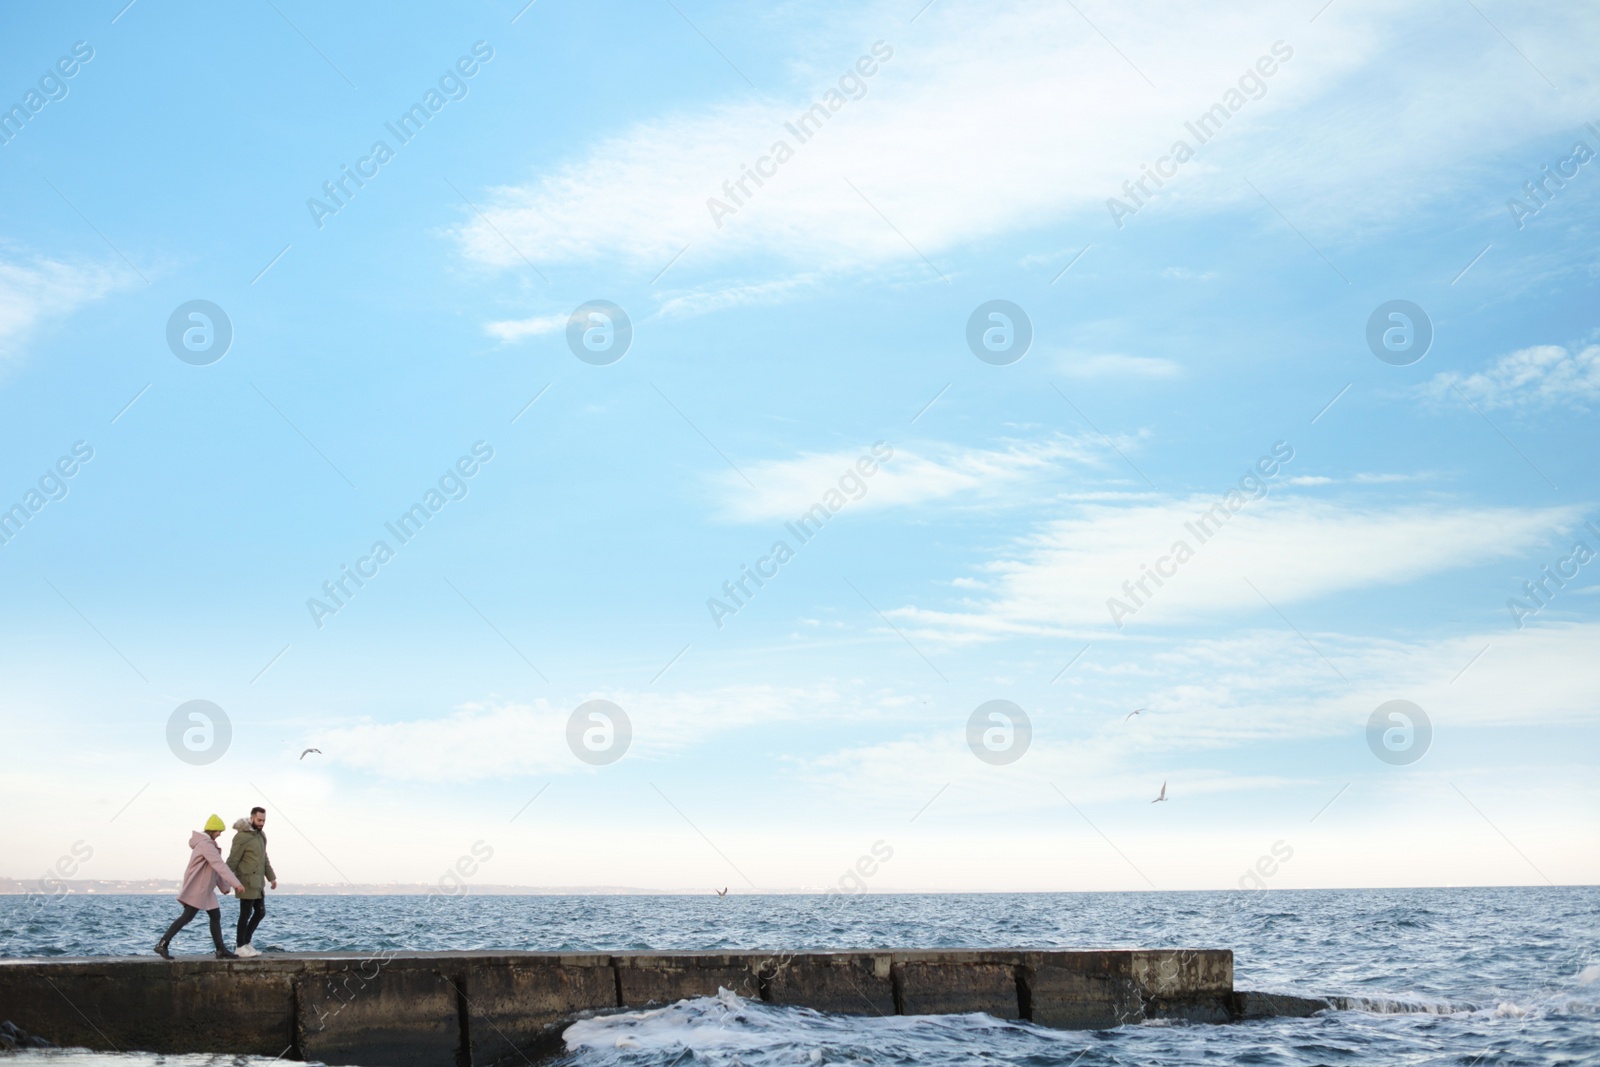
(206, 871)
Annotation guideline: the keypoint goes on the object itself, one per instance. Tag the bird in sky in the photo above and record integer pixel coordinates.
(308, 752)
(722, 892)
(1131, 714)
(1163, 795)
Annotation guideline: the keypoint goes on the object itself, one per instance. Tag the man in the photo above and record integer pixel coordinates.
(248, 860)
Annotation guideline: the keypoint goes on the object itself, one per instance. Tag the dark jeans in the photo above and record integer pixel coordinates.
(189, 912)
(251, 912)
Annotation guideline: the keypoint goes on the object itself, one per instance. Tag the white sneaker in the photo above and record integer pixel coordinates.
(247, 950)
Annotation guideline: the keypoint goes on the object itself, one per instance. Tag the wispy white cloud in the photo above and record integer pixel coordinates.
(1000, 74)
(1388, 478)
(1202, 697)
(1059, 258)
(918, 473)
(1209, 697)
(1359, 478)
(511, 331)
(490, 740)
(716, 298)
(1114, 365)
(1541, 375)
(34, 289)
(1060, 578)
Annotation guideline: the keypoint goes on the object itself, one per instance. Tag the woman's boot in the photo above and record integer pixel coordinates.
(172, 931)
(215, 915)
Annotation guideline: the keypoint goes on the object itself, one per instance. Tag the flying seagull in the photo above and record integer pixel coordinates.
(308, 752)
(722, 892)
(1131, 714)
(1163, 795)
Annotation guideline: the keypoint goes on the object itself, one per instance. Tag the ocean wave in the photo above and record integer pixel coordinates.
(1422, 974)
(1554, 1004)
(728, 1029)
(1381, 1005)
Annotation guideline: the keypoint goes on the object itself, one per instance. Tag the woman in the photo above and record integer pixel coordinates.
(206, 873)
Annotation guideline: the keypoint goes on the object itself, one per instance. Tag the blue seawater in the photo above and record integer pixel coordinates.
(1481, 977)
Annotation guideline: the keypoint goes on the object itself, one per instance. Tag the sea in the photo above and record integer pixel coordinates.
(1479, 977)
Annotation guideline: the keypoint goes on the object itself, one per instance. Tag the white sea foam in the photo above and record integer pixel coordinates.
(702, 1023)
(730, 1029)
(1397, 1006)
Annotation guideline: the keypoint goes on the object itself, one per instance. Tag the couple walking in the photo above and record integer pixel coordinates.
(247, 872)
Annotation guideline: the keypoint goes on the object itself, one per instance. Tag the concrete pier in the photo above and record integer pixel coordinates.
(472, 1009)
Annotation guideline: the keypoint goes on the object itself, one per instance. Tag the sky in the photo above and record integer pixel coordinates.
(648, 439)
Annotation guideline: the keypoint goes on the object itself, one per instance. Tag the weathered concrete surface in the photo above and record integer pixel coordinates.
(469, 1009)
(668, 977)
(1194, 986)
(109, 1004)
(848, 983)
(1279, 1005)
(947, 982)
(382, 1011)
(1082, 990)
(512, 1007)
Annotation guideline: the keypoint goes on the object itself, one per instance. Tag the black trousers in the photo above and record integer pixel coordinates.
(251, 912)
(189, 912)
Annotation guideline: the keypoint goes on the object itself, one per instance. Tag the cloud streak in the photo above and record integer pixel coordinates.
(35, 289)
(973, 80)
(497, 740)
(1292, 548)
(1116, 365)
(510, 331)
(920, 473)
(1208, 697)
(1537, 376)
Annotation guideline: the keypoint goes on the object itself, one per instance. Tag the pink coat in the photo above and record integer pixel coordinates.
(205, 873)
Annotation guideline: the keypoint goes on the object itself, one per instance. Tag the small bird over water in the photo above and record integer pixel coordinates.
(1131, 714)
(722, 892)
(308, 752)
(1163, 795)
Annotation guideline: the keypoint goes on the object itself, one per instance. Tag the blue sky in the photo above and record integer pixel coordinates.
(772, 348)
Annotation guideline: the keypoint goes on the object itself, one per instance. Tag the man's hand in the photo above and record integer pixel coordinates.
(274, 883)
